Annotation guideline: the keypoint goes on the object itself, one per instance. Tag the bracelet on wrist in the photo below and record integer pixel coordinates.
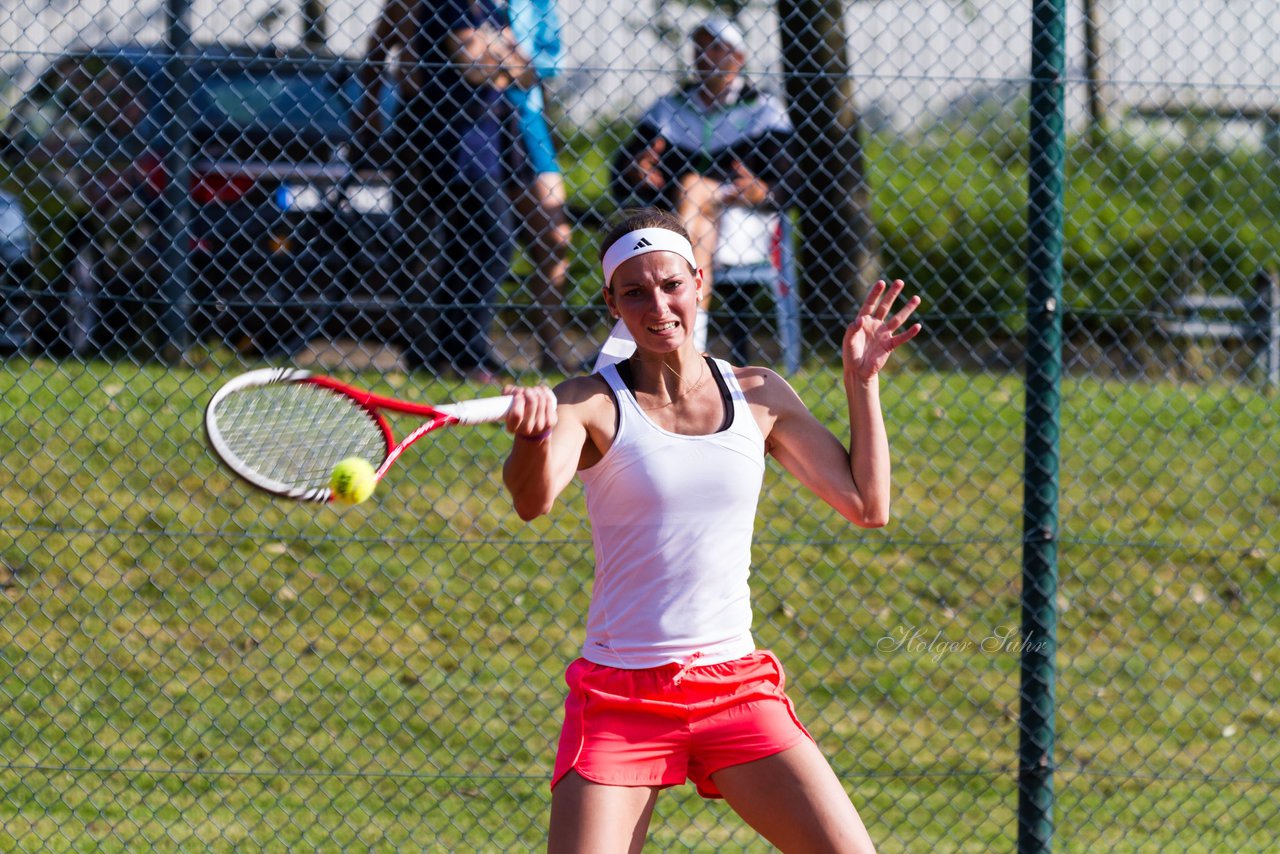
(536, 438)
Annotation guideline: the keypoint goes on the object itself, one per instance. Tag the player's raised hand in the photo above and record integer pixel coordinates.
(874, 334)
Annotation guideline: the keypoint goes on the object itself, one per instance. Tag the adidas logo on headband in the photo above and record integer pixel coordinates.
(643, 243)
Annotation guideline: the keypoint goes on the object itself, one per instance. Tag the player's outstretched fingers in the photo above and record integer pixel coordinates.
(871, 303)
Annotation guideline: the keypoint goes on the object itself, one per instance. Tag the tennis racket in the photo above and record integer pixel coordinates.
(283, 430)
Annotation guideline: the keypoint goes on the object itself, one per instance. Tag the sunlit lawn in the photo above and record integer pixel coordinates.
(185, 664)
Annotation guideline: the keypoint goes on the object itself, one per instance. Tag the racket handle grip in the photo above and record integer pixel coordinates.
(483, 410)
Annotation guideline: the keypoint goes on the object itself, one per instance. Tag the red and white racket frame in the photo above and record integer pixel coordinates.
(479, 411)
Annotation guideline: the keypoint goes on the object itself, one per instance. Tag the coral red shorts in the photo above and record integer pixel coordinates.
(662, 725)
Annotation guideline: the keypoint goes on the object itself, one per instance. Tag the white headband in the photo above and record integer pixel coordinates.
(644, 240)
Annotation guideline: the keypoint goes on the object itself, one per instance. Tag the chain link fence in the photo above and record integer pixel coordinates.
(414, 204)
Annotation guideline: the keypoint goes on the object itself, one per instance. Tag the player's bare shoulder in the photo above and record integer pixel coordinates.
(764, 387)
(588, 400)
(769, 395)
(589, 390)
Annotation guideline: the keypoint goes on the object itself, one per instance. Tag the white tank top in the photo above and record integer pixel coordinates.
(671, 519)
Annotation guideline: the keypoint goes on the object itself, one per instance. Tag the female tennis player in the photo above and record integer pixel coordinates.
(670, 446)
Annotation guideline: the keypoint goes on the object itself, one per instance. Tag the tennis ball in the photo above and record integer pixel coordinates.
(353, 480)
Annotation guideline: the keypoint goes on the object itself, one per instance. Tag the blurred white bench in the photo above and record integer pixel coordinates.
(756, 249)
(1254, 321)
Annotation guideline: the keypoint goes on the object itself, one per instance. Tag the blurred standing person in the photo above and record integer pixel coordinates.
(538, 190)
(456, 60)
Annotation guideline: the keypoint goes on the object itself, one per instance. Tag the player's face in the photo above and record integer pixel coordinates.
(656, 296)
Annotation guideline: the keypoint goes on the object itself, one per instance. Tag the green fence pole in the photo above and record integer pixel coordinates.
(1044, 391)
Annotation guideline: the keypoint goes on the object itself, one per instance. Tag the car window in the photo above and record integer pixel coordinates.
(81, 106)
(273, 99)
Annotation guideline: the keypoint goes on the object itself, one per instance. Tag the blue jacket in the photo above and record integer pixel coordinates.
(536, 26)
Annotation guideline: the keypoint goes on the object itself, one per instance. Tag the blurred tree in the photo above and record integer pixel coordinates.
(1093, 73)
(838, 253)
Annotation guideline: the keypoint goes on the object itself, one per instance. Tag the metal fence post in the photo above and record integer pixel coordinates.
(1044, 375)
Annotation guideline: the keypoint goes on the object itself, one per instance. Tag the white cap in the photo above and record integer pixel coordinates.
(723, 30)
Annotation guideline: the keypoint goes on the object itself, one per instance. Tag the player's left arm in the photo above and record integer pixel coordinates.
(855, 481)
(811, 453)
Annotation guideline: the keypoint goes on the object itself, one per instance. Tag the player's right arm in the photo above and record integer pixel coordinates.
(556, 433)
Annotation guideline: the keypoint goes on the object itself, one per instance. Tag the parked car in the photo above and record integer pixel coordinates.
(280, 230)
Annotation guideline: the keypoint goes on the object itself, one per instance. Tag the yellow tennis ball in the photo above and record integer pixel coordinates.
(353, 480)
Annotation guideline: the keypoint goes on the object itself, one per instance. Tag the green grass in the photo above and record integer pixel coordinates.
(186, 665)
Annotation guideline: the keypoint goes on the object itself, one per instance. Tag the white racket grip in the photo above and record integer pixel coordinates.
(484, 410)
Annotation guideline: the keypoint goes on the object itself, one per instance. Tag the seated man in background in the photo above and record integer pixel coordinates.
(717, 142)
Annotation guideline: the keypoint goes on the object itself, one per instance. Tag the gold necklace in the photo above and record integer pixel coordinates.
(682, 395)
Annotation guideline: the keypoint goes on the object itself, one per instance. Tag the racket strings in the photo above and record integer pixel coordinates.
(295, 433)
